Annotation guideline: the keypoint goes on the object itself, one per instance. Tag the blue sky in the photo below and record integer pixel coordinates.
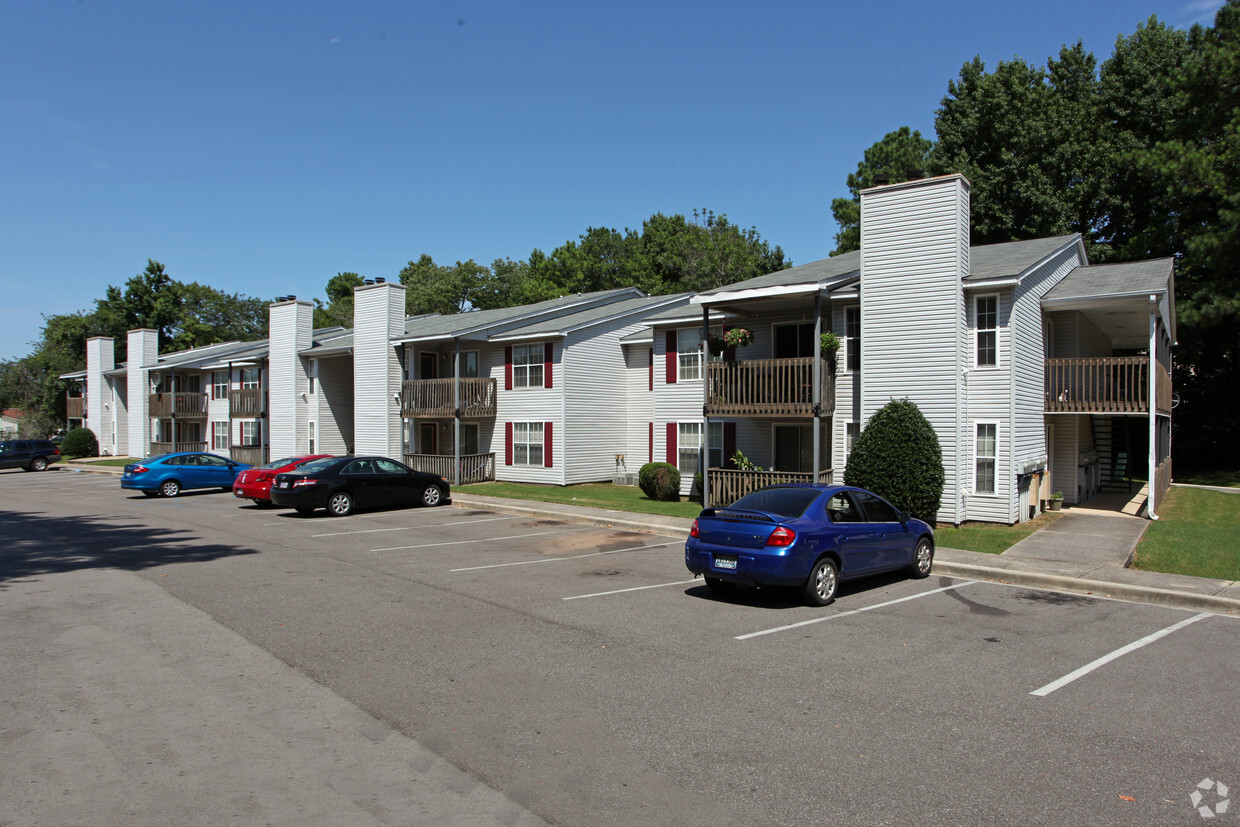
(263, 147)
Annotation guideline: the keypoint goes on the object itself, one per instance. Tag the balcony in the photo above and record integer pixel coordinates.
(474, 467)
(247, 403)
(249, 454)
(434, 398)
(75, 407)
(768, 388)
(729, 485)
(178, 405)
(1114, 385)
(158, 448)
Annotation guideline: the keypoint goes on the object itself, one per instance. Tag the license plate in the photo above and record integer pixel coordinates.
(728, 563)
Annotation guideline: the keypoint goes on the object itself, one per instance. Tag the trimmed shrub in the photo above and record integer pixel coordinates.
(897, 456)
(80, 442)
(659, 481)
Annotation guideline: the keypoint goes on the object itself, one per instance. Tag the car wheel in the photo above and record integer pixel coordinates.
(432, 495)
(38, 464)
(340, 504)
(720, 586)
(822, 583)
(305, 509)
(169, 488)
(923, 558)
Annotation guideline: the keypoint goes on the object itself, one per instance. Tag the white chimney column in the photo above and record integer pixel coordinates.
(100, 358)
(290, 332)
(143, 346)
(378, 317)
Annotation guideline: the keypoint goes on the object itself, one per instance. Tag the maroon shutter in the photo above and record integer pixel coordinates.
(650, 452)
(651, 363)
(671, 442)
(671, 357)
(548, 355)
(729, 444)
(508, 375)
(546, 444)
(508, 443)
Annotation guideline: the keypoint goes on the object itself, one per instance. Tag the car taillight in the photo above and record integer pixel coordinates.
(264, 477)
(781, 537)
(693, 532)
(300, 483)
(141, 469)
(56, 451)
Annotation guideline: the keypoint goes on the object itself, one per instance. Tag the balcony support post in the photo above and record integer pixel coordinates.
(456, 411)
(1152, 390)
(704, 445)
(816, 397)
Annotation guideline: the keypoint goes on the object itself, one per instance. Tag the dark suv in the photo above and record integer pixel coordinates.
(28, 454)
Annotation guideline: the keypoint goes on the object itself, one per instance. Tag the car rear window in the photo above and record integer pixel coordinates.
(279, 463)
(316, 465)
(785, 502)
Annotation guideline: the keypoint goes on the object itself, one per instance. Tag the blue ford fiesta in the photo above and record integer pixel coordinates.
(167, 475)
(808, 536)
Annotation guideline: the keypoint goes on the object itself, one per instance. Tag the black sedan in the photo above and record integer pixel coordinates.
(341, 484)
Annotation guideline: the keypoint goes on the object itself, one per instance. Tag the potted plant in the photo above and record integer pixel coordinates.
(1055, 501)
(829, 347)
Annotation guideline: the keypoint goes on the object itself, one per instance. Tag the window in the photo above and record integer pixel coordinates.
(689, 351)
(851, 430)
(794, 341)
(987, 308)
(527, 366)
(877, 510)
(688, 444)
(249, 377)
(312, 373)
(469, 364)
(310, 441)
(985, 453)
(794, 448)
(852, 337)
(219, 436)
(219, 384)
(715, 459)
(527, 442)
(469, 439)
(250, 434)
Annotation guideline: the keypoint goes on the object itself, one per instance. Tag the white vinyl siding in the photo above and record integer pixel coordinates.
(333, 405)
(291, 331)
(378, 315)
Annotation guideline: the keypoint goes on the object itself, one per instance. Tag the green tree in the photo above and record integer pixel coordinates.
(902, 155)
(432, 288)
(897, 456)
(338, 311)
(150, 299)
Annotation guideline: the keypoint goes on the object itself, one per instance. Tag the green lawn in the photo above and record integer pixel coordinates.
(594, 495)
(989, 538)
(1196, 534)
(1221, 479)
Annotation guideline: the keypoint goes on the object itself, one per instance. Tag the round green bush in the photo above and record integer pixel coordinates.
(659, 481)
(80, 442)
(897, 456)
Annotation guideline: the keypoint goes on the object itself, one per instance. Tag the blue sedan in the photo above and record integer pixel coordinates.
(809, 536)
(167, 475)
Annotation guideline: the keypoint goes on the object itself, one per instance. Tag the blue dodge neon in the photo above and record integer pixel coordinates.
(167, 475)
(809, 536)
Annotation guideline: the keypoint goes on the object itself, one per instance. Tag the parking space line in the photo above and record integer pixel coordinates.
(634, 589)
(571, 557)
(853, 611)
(484, 539)
(1118, 653)
(413, 527)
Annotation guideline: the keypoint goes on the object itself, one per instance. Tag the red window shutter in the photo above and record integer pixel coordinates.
(650, 453)
(508, 370)
(548, 355)
(651, 363)
(546, 444)
(508, 443)
(671, 357)
(671, 442)
(729, 444)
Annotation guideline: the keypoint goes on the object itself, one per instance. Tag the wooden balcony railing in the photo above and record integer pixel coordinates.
(474, 467)
(179, 405)
(249, 454)
(1110, 384)
(434, 398)
(767, 387)
(176, 447)
(247, 403)
(728, 485)
(75, 407)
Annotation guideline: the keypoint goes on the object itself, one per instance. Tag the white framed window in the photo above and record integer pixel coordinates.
(527, 366)
(689, 350)
(219, 435)
(249, 377)
(688, 444)
(986, 310)
(985, 454)
(219, 384)
(716, 458)
(251, 433)
(312, 374)
(851, 429)
(310, 438)
(527, 442)
(852, 337)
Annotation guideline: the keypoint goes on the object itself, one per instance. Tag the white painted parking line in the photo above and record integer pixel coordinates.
(571, 557)
(413, 527)
(634, 589)
(483, 540)
(853, 611)
(1118, 653)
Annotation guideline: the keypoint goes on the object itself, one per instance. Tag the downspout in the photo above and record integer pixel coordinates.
(456, 411)
(1153, 403)
(705, 443)
(816, 393)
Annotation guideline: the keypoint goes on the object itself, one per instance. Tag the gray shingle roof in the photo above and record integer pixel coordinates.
(477, 321)
(828, 269)
(1102, 280)
(1012, 258)
(593, 315)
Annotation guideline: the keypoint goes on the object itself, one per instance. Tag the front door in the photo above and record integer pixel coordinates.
(428, 365)
(428, 438)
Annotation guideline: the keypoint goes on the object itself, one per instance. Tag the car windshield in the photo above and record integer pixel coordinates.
(314, 466)
(785, 502)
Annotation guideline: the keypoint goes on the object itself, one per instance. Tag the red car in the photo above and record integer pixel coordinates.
(255, 483)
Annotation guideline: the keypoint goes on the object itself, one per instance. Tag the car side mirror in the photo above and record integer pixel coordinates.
(904, 519)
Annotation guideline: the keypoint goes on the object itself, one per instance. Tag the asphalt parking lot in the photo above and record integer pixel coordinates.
(581, 674)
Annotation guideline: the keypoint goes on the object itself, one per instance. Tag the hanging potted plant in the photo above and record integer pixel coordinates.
(737, 337)
(829, 347)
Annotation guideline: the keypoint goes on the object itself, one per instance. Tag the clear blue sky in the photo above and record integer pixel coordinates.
(263, 147)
